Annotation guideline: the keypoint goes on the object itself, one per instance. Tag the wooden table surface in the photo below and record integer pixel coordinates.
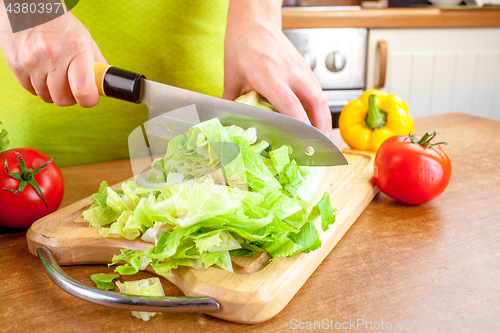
(433, 264)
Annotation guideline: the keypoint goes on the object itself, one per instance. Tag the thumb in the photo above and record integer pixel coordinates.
(82, 80)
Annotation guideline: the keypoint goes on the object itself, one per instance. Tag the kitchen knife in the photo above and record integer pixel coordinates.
(310, 146)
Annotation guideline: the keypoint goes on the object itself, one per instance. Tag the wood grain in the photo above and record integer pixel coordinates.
(397, 263)
(391, 18)
(259, 288)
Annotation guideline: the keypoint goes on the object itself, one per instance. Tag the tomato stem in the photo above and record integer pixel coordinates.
(375, 117)
(26, 176)
(426, 139)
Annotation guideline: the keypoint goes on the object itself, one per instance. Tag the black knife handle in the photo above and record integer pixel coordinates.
(118, 83)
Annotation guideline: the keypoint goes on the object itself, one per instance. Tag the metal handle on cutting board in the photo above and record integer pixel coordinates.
(118, 83)
(121, 301)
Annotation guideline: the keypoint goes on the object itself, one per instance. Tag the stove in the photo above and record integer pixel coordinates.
(337, 57)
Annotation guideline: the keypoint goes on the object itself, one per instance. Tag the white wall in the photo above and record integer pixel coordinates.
(439, 71)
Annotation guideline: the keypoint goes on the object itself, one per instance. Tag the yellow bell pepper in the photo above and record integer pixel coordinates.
(368, 121)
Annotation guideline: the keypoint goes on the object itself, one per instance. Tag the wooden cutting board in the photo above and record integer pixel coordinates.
(258, 289)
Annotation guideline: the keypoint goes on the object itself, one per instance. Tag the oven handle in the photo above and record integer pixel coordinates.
(382, 51)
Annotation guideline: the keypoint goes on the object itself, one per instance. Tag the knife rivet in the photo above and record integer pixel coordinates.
(171, 127)
(309, 151)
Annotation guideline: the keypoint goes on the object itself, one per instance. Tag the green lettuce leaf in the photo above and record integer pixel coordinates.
(221, 259)
(144, 287)
(100, 215)
(255, 99)
(324, 209)
(218, 192)
(216, 241)
(4, 140)
(104, 281)
(280, 158)
(258, 176)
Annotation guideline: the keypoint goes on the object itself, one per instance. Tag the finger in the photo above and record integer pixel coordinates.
(39, 83)
(58, 85)
(314, 101)
(305, 67)
(82, 80)
(25, 82)
(230, 94)
(283, 99)
(97, 54)
(22, 77)
(310, 75)
(315, 80)
(233, 90)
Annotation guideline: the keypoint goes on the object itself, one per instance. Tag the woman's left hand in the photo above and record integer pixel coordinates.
(258, 56)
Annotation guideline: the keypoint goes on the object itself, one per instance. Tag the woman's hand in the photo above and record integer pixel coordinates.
(258, 56)
(54, 60)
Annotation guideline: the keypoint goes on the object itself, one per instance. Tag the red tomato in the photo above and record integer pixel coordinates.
(409, 172)
(20, 210)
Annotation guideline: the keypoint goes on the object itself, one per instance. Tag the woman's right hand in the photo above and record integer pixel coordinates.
(54, 61)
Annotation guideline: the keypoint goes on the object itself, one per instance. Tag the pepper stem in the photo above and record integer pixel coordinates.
(375, 118)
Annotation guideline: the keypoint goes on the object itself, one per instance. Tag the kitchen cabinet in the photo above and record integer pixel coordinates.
(438, 70)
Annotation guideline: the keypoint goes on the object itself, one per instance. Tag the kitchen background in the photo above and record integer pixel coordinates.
(435, 70)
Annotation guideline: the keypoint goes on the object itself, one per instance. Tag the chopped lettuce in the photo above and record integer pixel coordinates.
(144, 287)
(255, 99)
(218, 192)
(4, 140)
(324, 209)
(104, 281)
(100, 215)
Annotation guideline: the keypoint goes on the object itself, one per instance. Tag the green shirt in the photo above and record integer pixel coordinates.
(180, 43)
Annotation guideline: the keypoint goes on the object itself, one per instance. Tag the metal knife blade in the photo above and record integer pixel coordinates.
(170, 105)
(275, 128)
